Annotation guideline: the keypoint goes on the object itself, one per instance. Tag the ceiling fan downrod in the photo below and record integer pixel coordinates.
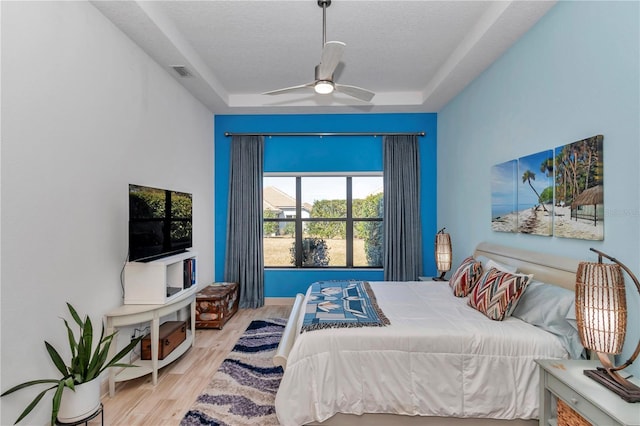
(324, 4)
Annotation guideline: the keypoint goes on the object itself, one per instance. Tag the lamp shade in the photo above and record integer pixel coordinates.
(443, 252)
(601, 313)
(601, 306)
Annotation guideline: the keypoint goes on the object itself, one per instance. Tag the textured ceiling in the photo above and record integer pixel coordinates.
(415, 55)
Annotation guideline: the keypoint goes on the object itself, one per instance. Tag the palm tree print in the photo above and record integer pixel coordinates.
(527, 177)
(546, 167)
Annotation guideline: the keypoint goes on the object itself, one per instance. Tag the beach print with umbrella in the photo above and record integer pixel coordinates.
(579, 188)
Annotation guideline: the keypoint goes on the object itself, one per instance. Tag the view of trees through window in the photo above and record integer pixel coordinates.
(323, 221)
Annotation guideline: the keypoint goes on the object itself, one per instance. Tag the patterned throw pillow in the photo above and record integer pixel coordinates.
(465, 277)
(497, 293)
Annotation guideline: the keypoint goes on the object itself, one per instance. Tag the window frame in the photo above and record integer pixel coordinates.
(348, 220)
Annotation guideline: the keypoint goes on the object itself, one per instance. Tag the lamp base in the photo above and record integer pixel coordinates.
(629, 392)
(440, 278)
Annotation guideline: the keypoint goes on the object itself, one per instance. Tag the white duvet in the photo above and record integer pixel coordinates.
(439, 357)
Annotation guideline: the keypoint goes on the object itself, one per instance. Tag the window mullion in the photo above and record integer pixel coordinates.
(349, 224)
(298, 223)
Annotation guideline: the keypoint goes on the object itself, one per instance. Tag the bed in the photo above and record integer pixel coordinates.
(438, 362)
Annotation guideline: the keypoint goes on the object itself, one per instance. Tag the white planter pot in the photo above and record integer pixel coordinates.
(82, 403)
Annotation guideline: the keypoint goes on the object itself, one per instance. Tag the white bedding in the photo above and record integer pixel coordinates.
(439, 357)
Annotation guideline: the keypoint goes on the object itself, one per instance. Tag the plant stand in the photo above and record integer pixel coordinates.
(99, 411)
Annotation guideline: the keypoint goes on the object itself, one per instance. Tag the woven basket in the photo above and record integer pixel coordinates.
(568, 417)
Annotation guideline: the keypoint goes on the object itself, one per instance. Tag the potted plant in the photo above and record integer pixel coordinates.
(85, 367)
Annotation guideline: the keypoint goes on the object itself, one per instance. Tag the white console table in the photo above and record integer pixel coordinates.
(135, 314)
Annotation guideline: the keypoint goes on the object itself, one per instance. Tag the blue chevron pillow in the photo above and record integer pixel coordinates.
(497, 293)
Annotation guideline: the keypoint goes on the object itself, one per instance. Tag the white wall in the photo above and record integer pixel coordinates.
(84, 113)
(572, 76)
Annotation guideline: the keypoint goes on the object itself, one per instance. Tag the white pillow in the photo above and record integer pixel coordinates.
(501, 266)
(551, 308)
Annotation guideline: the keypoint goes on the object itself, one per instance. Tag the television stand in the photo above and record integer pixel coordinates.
(127, 315)
(161, 280)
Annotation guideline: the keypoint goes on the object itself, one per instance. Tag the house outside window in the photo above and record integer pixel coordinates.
(323, 220)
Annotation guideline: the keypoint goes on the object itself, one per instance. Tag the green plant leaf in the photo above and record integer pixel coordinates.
(102, 334)
(109, 338)
(27, 384)
(72, 339)
(88, 337)
(57, 359)
(96, 358)
(120, 365)
(75, 315)
(84, 348)
(33, 403)
(70, 382)
(114, 361)
(99, 360)
(57, 397)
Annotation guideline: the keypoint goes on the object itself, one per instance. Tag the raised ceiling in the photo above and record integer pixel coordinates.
(415, 55)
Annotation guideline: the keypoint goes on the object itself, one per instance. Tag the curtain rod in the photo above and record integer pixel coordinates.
(227, 134)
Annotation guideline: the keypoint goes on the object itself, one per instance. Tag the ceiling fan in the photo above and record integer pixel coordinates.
(331, 54)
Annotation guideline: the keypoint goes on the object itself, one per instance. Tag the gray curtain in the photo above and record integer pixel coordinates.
(244, 261)
(402, 231)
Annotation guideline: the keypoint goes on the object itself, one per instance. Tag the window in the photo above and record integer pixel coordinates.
(323, 221)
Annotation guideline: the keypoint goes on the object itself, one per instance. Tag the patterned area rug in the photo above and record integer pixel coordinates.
(243, 390)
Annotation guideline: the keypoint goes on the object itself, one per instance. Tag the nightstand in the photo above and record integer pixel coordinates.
(565, 380)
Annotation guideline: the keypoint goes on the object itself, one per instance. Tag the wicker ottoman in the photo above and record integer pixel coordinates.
(215, 304)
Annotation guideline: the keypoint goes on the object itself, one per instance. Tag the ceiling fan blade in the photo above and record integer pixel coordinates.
(356, 92)
(331, 55)
(290, 89)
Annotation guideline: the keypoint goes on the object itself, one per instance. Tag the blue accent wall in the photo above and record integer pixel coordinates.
(324, 154)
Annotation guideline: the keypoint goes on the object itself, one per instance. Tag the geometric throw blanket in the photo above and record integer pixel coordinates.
(334, 304)
(243, 390)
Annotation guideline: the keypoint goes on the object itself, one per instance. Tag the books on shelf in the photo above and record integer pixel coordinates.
(189, 273)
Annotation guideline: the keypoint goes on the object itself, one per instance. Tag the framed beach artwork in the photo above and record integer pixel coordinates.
(579, 187)
(504, 204)
(535, 193)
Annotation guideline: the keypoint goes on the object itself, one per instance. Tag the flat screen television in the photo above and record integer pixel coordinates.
(160, 222)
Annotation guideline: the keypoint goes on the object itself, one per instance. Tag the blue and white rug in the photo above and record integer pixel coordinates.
(243, 390)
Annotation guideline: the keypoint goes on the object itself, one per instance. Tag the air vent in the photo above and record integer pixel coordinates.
(182, 70)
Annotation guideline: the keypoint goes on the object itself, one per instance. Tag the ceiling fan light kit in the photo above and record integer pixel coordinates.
(323, 87)
(331, 54)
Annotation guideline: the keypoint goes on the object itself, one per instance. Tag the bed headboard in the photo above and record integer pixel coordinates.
(552, 269)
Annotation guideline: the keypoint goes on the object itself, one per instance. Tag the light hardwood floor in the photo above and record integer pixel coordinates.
(138, 402)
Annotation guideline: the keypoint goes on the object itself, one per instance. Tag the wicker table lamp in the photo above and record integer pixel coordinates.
(601, 313)
(443, 254)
